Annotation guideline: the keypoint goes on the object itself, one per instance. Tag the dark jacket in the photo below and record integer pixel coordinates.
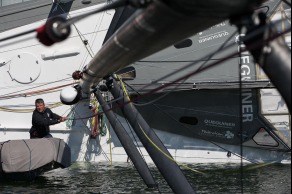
(41, 122)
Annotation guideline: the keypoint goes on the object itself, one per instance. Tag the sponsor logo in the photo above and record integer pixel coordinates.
(246, 63)
(229, 135)
(219, 123)
(213, 36)
(222, 24)
(212, 133)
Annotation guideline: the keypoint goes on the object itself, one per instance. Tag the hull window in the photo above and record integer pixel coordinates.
(184, 44)
(189, 120)
(263, 138)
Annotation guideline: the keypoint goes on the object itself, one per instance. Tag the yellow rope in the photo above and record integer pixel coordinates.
(168, 156)
(284, 15)
(149, 139)
(259, 166)
(252, 167)
(275, 12)
(110, 144)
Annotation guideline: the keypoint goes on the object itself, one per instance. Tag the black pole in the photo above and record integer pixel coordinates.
(127, 143)
(167, 167)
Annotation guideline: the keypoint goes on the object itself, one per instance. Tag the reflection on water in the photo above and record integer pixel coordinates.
(123, 178)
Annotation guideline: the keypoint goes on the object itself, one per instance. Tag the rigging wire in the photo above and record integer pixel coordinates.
(183, 81)
(201, 137)
(70, 20)
(287, 2)
(81, 36)
(256, 165)
(195, 62)
(113, 5)
(18, 35)
(253, 46)
(32, 93)
(48, 83)
(149, 139)
(188, 61)
(134, 137)
(256, 32)
(252, 34)
(96, 11)
(240, 109)
(55, 105)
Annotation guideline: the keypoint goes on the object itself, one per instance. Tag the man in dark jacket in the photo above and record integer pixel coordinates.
(42, 118)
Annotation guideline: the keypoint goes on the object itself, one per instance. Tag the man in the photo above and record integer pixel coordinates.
(42, 118)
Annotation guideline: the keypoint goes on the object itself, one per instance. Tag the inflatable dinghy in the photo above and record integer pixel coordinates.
(25, 160)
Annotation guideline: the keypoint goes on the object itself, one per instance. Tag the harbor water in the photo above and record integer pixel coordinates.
(83, 177)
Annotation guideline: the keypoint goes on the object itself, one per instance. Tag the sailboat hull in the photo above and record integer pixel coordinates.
(199, 121)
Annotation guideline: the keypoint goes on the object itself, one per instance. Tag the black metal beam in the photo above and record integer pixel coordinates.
(127, 143)
(167, 167)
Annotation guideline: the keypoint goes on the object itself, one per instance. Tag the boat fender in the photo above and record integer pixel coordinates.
(71, 95)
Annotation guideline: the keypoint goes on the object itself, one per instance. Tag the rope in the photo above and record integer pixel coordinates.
(110, 146)
(253, 46)
(33, 93)
(70, 119)
(240, 110)
(102, 127)
(55, 105)
(81, 36)
(113, 5)
(157, 147)
(201, 137)
(168, 156)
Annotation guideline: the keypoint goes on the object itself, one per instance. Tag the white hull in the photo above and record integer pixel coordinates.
(57, 63)
(83, 148)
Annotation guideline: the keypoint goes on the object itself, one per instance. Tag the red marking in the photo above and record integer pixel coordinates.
(77, 75)
(43, 37)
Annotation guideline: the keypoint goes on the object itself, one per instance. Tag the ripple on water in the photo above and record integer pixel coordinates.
(102, 178)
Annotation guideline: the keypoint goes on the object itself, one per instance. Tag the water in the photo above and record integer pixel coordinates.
(123, 178)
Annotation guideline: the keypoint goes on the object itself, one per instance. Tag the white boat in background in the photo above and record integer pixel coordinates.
(198, 120)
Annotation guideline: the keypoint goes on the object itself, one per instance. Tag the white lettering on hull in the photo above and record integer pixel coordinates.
(247, 101)
(213, 36)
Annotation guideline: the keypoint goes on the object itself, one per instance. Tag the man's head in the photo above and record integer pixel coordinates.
(40, 105)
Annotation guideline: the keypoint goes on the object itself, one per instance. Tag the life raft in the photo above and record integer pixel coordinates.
(25, 160)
